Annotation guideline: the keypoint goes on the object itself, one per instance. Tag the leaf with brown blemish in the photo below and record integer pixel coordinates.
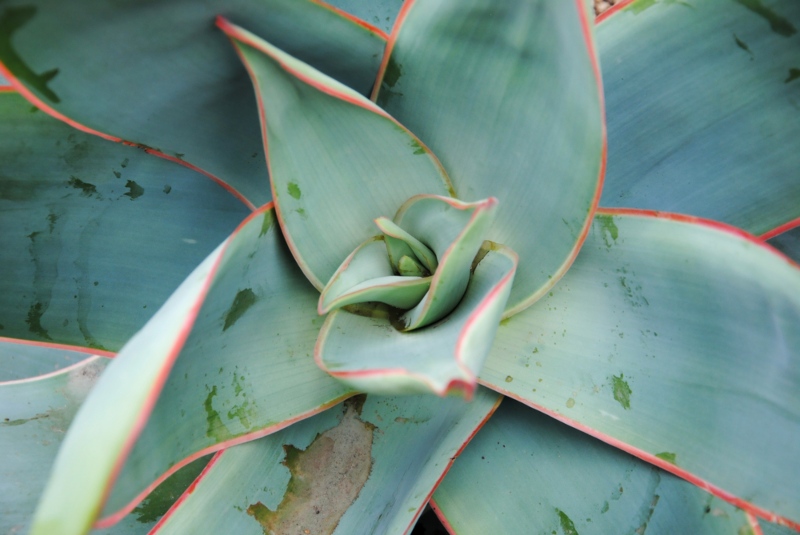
(325, 479)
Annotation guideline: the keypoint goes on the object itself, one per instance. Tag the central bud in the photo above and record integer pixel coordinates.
(420, 265)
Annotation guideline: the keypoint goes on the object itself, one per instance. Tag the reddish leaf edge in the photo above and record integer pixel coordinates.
(60, 371)
(655, 461)
(616, 8)
(455, 386)
(235, 33)
(639, 453)
(18, 86)
(113, 518)
(449, 465)
(189, 490)
(90, 352)
(700, 221)
(777, 231)
(161, 378)
(586, 27)
(442, 517)
(158, 385)
(479, 208)
(411, 524)
(352, 18)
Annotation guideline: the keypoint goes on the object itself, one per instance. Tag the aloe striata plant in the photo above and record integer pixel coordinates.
(300, 312)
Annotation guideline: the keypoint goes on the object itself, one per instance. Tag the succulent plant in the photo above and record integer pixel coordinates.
(311, 328)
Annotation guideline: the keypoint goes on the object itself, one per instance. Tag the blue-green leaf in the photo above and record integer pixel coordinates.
(702, 103)
(506, 95)
(95, 235)
(369, 353)
(229, 358)
(788, 243)
(527, 473)
(678, 341)
(367, 467)
(34, 416)
(336, 160)
(162, 76)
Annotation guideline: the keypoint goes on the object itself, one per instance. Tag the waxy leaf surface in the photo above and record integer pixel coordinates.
(702, 105)
(162, 76)
(20, 359)
(368, 466)
(380, 13)
(677, 341)
(527, 473)
(369, 353)
(86, 251)
(506, 95)
(336, 160)
(227, 359)
(34, 416)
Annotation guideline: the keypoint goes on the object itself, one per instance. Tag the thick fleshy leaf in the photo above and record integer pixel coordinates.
(455, 231)
(400, 243)
(367, 276)
(507, 96)
(527, 473)
(96, 235)
(788, 243)
(676, 340)
(160, 75)
(368, 353)
(147, 514)
(34, 416)
(359, 469)
(232, 350)
(22, 359)
(336, 160)
(380, 13)
(713, 130)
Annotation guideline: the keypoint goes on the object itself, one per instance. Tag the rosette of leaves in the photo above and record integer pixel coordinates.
(433, 234)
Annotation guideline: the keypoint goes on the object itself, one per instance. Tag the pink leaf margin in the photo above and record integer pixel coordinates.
(751, 509)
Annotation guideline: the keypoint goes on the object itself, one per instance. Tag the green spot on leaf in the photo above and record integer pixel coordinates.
(418, 148)
(622, 392)
(741, 44)
(777, 23)
(294, 190)
(215, 428)
(608, 228)
(794, 74)
(667, 456)
(241, 303)
(167, 189)
(509, 378)
(393, 73)
(567, 526)
(570, 403)
(134, 190)
(117, 174)
(86, 189)
(161, 499)
(266, 223)
(34, 320)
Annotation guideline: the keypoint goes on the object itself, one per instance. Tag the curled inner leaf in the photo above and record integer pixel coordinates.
(420, 266)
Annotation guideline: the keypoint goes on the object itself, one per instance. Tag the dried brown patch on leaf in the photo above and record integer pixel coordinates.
(325, 480)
